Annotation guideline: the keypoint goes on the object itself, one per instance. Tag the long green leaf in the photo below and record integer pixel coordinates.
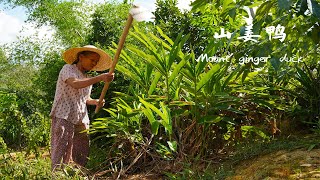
(173, 53)
(147, 40)
(131, 75)
(160, 41)
(151, 106)
(263, 10)
(210, 119)
(148, 58)
(164, 35)
(207, 76)
(227, 4)
(143, 40)
(153, 122)
(228, 79)
(154, 82)
(167, 123)
(165, 115)
(176, 71)
(148, 73)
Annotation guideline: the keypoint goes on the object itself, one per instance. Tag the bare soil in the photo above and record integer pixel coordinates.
(296, 164)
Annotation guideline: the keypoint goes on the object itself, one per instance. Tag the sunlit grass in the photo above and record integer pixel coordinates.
(19, 165)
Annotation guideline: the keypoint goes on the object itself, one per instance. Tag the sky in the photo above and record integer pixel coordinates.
(12, 21)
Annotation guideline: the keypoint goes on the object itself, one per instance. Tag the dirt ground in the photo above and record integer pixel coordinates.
(284, 164)
(297, 164)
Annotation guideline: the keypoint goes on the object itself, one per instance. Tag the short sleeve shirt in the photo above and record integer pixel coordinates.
(70, 103)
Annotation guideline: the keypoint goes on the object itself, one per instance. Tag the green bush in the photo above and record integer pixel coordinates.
(21, 126)
(19, 165)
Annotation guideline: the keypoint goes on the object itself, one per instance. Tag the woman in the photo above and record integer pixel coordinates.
(69, 112)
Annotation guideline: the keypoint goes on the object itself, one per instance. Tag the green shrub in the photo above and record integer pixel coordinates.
(22, 127)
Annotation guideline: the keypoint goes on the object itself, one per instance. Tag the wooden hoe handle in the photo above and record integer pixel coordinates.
(115, 60)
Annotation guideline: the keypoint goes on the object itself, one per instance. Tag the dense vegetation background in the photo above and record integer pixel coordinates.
(166, 109)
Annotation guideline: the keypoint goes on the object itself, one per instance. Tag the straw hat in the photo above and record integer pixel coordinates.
(104, 62)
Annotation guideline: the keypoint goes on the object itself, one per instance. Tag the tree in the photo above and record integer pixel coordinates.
(70, 19)
(199, 24)
(107, 23)
(3, 61)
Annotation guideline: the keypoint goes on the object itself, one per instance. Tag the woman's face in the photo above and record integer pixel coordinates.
(89, 60)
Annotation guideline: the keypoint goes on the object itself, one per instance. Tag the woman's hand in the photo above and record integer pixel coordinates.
(95, 102)
(81, 83)
(106, 77)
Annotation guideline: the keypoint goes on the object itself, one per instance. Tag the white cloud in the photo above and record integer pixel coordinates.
(184, 4)
(12, 27)
(43, 32)
(151, 4)
(9, 28)
(97, 1)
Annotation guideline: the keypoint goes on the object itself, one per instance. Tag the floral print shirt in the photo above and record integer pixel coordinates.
(70, 103)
